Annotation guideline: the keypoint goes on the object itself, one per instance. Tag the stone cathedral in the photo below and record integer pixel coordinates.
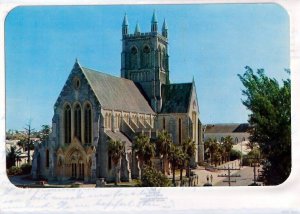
(95, 107)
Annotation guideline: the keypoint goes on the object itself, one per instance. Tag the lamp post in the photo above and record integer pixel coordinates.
(241, 162)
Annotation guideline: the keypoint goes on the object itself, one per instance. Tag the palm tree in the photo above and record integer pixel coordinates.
(182, 164)
(116, 150)
(12, 155)
(176, 157)
(228, 143)
(163, 145)
(218, 154)
(144, 149)
(189, 148)
(212, 146)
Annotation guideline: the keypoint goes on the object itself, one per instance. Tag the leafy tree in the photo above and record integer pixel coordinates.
(270, 105)
(153, 178)
(22, 143)
(252, 157)
(234, 155)
(116, 150)
(163, 146)
(44, 133)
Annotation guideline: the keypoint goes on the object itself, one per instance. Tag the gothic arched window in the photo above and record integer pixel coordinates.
(163, 58)
(179, 131)
(77, 122)
(133, 58)
(47, 158)
(146, 57)
(164, 123)
(194, 121)
(88, 124)
(159, 56)
(67, 123)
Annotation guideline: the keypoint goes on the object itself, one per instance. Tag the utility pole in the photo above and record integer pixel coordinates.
(229, 175)
(255, 163)
(241, 162)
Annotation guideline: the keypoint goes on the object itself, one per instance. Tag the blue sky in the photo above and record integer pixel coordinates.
(212, 43)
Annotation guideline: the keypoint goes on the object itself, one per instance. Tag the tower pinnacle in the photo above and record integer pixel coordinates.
(154, 22)
(125, 25)
(165, 29)
(137, 29)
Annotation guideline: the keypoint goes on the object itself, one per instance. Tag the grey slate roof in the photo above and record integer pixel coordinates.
(119, 136)
(116, 93)
(227, 128)
(176, 97)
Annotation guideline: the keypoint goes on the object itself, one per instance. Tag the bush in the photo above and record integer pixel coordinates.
(252, 156)
(153, 178)
(235, 155)
(13, 171)
(25, 168)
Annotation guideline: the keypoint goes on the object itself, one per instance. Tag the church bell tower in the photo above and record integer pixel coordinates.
(145, 60)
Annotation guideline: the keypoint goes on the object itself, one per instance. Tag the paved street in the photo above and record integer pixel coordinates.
(246, 178)
(245, 172)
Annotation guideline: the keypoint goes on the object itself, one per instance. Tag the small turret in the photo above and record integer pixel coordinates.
(165, 29)
(137, 30)
(125, 25)
(154, 22)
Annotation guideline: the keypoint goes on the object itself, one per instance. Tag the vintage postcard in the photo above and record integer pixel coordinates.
(115, 98)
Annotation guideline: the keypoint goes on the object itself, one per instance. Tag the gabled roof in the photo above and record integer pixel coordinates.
(227, 128)
(176, 97)
(116, 93)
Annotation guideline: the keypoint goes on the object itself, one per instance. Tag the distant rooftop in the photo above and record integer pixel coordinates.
(227, 128)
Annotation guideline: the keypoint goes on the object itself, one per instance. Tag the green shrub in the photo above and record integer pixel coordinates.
(13, 171)
(153, 178)
(246, 160)
(234, 154)
(251, 157)
(26, 168)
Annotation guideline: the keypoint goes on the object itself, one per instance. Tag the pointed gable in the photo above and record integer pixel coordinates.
(116, 93)
(110, 92)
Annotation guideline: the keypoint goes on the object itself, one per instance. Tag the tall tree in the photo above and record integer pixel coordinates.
(189, 149)
(212, 146)
(116, 150)
(163, 145)
(12, 155)
(29, 130)
(144, 149)
(176, 157)
(228, 144)
(270, 105)
(44, 133)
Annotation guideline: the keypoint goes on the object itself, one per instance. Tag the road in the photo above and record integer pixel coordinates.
(246, 177)
(245, 172)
